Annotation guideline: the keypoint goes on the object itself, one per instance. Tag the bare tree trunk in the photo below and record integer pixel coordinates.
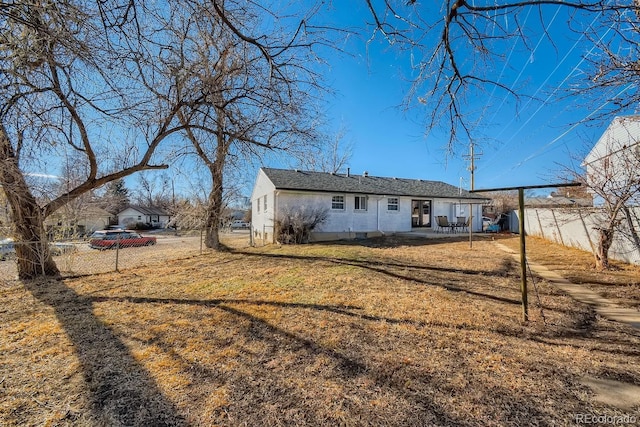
(215, 201)
(605, 240)
(32, 250)
(212, 223)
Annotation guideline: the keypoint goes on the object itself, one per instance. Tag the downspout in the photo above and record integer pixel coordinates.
(378, 214)
(275, 213)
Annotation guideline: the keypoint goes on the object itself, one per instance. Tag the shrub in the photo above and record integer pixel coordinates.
(294, 225)
(141, 226)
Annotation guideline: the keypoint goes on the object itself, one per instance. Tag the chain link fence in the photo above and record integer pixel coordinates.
(117, 251)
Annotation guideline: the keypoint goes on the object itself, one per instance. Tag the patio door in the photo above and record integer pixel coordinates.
(421, 213)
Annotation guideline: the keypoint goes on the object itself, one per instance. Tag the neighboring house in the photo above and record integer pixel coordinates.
(557, 201)
(614, 160)
(358, 206)
(66, 222)
(134, 214)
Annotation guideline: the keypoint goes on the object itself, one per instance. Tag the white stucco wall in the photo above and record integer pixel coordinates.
(261, 219)
(376, 217)
(130, 216)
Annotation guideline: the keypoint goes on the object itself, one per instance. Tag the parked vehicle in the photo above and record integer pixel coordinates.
(109, 239)
(238, 223)
(8, 248)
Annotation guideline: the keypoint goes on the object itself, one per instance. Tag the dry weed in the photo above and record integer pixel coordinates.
(382, 332)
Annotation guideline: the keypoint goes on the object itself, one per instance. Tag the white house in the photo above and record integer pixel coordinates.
(85, 220)
(614, 161)
(134, 214)
(358, 205)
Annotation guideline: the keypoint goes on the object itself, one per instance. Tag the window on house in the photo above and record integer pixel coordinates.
(265, 202)
(360, 203)
(392, 204)
(258, 205)
(337, 202)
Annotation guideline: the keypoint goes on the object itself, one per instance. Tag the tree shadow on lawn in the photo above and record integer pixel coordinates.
(280, 402)
(122, 391)
(585, 323)
(384, 267)
(396, 241)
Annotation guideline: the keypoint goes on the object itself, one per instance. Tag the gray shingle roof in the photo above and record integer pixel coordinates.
(148, 210)
(286, 179)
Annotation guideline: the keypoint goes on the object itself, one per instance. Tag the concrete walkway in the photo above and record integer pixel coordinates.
(601, 305)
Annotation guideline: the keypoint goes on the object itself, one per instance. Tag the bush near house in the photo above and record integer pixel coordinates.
(294, 225)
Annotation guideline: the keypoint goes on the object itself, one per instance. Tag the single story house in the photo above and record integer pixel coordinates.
(358, 205)
(131, 215)
(66, 221)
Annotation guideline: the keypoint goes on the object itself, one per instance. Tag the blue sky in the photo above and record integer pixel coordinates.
(525, 146)
(528, 145)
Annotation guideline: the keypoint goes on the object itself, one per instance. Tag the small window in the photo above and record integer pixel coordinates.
(265, 202)
(360, 203)
(392, 204)
(337, 202)
(258, 205)
(139, 218)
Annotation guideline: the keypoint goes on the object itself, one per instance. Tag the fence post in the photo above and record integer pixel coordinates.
(117, 249)
(523, 258)
(201, 233)
(555, 220)
(586, 232)
(540, 224)
(42, 256)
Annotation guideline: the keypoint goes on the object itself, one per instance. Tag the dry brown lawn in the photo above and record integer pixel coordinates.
(386, 332)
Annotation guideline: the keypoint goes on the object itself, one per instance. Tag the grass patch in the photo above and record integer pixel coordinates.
(379, 332)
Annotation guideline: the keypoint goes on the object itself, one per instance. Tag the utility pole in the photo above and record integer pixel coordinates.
(472, 167)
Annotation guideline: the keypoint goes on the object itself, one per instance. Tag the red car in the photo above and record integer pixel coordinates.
(109, 239)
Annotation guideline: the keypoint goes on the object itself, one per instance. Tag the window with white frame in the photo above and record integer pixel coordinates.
(265, 202)
(360, 203)
(258, 205)
(337, 202)
(392, 204)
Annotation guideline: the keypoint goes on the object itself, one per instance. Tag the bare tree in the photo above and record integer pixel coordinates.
(454, 50)
(153, 190)
(330, 155)
(612, 177)
(246, 95)
(69, 77)
(103, 80)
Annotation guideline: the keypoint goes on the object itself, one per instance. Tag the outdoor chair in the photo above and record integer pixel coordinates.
(462, 223)
(443, 223)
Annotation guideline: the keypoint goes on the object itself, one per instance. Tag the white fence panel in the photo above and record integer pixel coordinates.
(577, 228)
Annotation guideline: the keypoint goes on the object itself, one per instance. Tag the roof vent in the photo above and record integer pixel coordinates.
(297, 170)
(365, 173)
